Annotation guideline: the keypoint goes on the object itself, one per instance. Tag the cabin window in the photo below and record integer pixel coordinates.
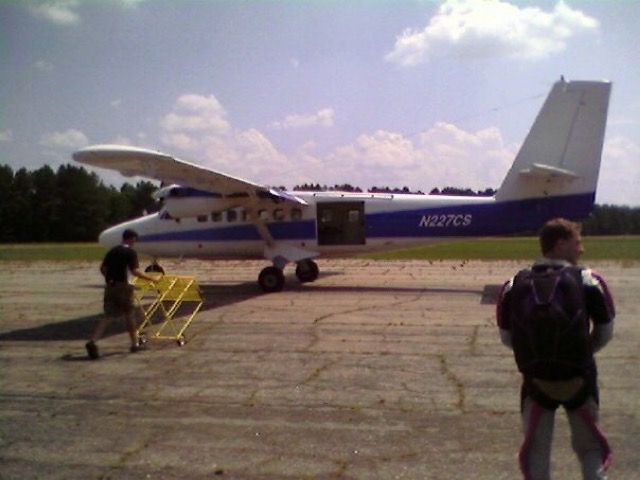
(244, 216)
(232, 215)
(278, 214)
(327, 216)
(202, 218)
(296, 214)
(263, 215)
(216, 216)
(354, 216)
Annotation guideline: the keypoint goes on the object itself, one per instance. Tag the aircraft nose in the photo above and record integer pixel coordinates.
(110, 237)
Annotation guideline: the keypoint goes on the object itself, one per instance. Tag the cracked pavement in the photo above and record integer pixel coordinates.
(379, 370)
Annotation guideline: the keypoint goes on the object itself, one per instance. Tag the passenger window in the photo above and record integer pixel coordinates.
(354, 216)
(296, 214)
(202, 218)
(232, 215)
(216, 216)
(327, 216)
(244, 216)
(278, 214)
(263, 215)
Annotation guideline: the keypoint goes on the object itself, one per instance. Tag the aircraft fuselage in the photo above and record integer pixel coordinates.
(336, 223)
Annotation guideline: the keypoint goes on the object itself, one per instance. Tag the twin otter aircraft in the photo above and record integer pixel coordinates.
(208, 214)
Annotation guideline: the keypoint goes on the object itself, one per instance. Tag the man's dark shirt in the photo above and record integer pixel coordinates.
(117, 261)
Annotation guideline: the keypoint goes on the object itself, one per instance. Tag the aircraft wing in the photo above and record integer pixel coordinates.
(134, 161)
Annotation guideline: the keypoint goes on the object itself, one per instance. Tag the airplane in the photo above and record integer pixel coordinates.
(208, 214)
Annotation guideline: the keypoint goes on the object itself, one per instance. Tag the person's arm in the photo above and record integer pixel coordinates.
(600, 307)
(502, 314)
(134, 268)
(137, 273)
(600, 335)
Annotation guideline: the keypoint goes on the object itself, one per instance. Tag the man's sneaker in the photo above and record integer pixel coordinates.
(92, 350)
(137, 348)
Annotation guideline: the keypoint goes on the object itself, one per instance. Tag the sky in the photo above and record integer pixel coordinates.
(419, 93)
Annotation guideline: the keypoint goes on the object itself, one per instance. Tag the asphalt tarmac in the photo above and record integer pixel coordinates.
(378, 370)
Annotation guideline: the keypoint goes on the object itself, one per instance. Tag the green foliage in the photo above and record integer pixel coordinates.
(613, 220)
(70, 205)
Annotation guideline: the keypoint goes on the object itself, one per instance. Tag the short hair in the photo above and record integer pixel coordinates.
(555, 230)
(128, 234)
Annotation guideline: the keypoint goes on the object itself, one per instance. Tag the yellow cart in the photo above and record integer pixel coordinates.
(160, 301)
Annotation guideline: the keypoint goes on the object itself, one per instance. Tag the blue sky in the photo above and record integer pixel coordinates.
(417, 93)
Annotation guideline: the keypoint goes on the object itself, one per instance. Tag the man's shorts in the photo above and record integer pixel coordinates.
(118, 299)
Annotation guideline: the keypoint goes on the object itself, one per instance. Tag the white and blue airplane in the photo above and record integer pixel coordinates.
(209, 214)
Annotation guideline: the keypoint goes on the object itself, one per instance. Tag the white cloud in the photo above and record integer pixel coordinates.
(196, 113)
(64, 12)
(482, 28)
(60, 12)
(6, 136)
(620, 172)
(322, 118)
(44, 66)
(198, 127)
(444, 155)
(69, 139)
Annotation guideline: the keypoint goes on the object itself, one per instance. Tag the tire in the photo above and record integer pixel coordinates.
(271, 279)
(307, 271)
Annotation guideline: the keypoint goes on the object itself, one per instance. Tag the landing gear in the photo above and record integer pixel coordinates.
(271, 279)
(307, 271)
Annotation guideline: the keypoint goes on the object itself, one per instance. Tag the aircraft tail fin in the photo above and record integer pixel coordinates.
(562, 152)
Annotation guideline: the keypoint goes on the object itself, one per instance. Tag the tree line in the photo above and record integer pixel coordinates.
(67, 205)
(73, 205)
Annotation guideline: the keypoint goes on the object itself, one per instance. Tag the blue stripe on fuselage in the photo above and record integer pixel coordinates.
(484, 219)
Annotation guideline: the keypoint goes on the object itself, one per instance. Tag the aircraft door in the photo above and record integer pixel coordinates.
(341, 223)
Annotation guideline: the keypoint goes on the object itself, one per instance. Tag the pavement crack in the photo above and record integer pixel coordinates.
(318, 371)
(447, 372)
(473, 340)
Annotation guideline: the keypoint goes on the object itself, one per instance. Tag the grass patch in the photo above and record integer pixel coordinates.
(625, 248)
(52, 252)
(519, 248)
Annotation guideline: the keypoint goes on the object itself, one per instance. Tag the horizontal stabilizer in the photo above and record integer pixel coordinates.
(538, 170)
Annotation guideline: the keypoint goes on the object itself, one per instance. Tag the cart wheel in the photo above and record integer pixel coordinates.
(181, 342)
(142, 339)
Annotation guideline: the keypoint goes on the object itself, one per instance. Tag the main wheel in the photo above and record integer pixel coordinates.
(271, 279)
(307, 271)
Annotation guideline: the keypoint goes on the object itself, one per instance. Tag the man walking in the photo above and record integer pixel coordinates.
(555, 316)
(118, 292)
